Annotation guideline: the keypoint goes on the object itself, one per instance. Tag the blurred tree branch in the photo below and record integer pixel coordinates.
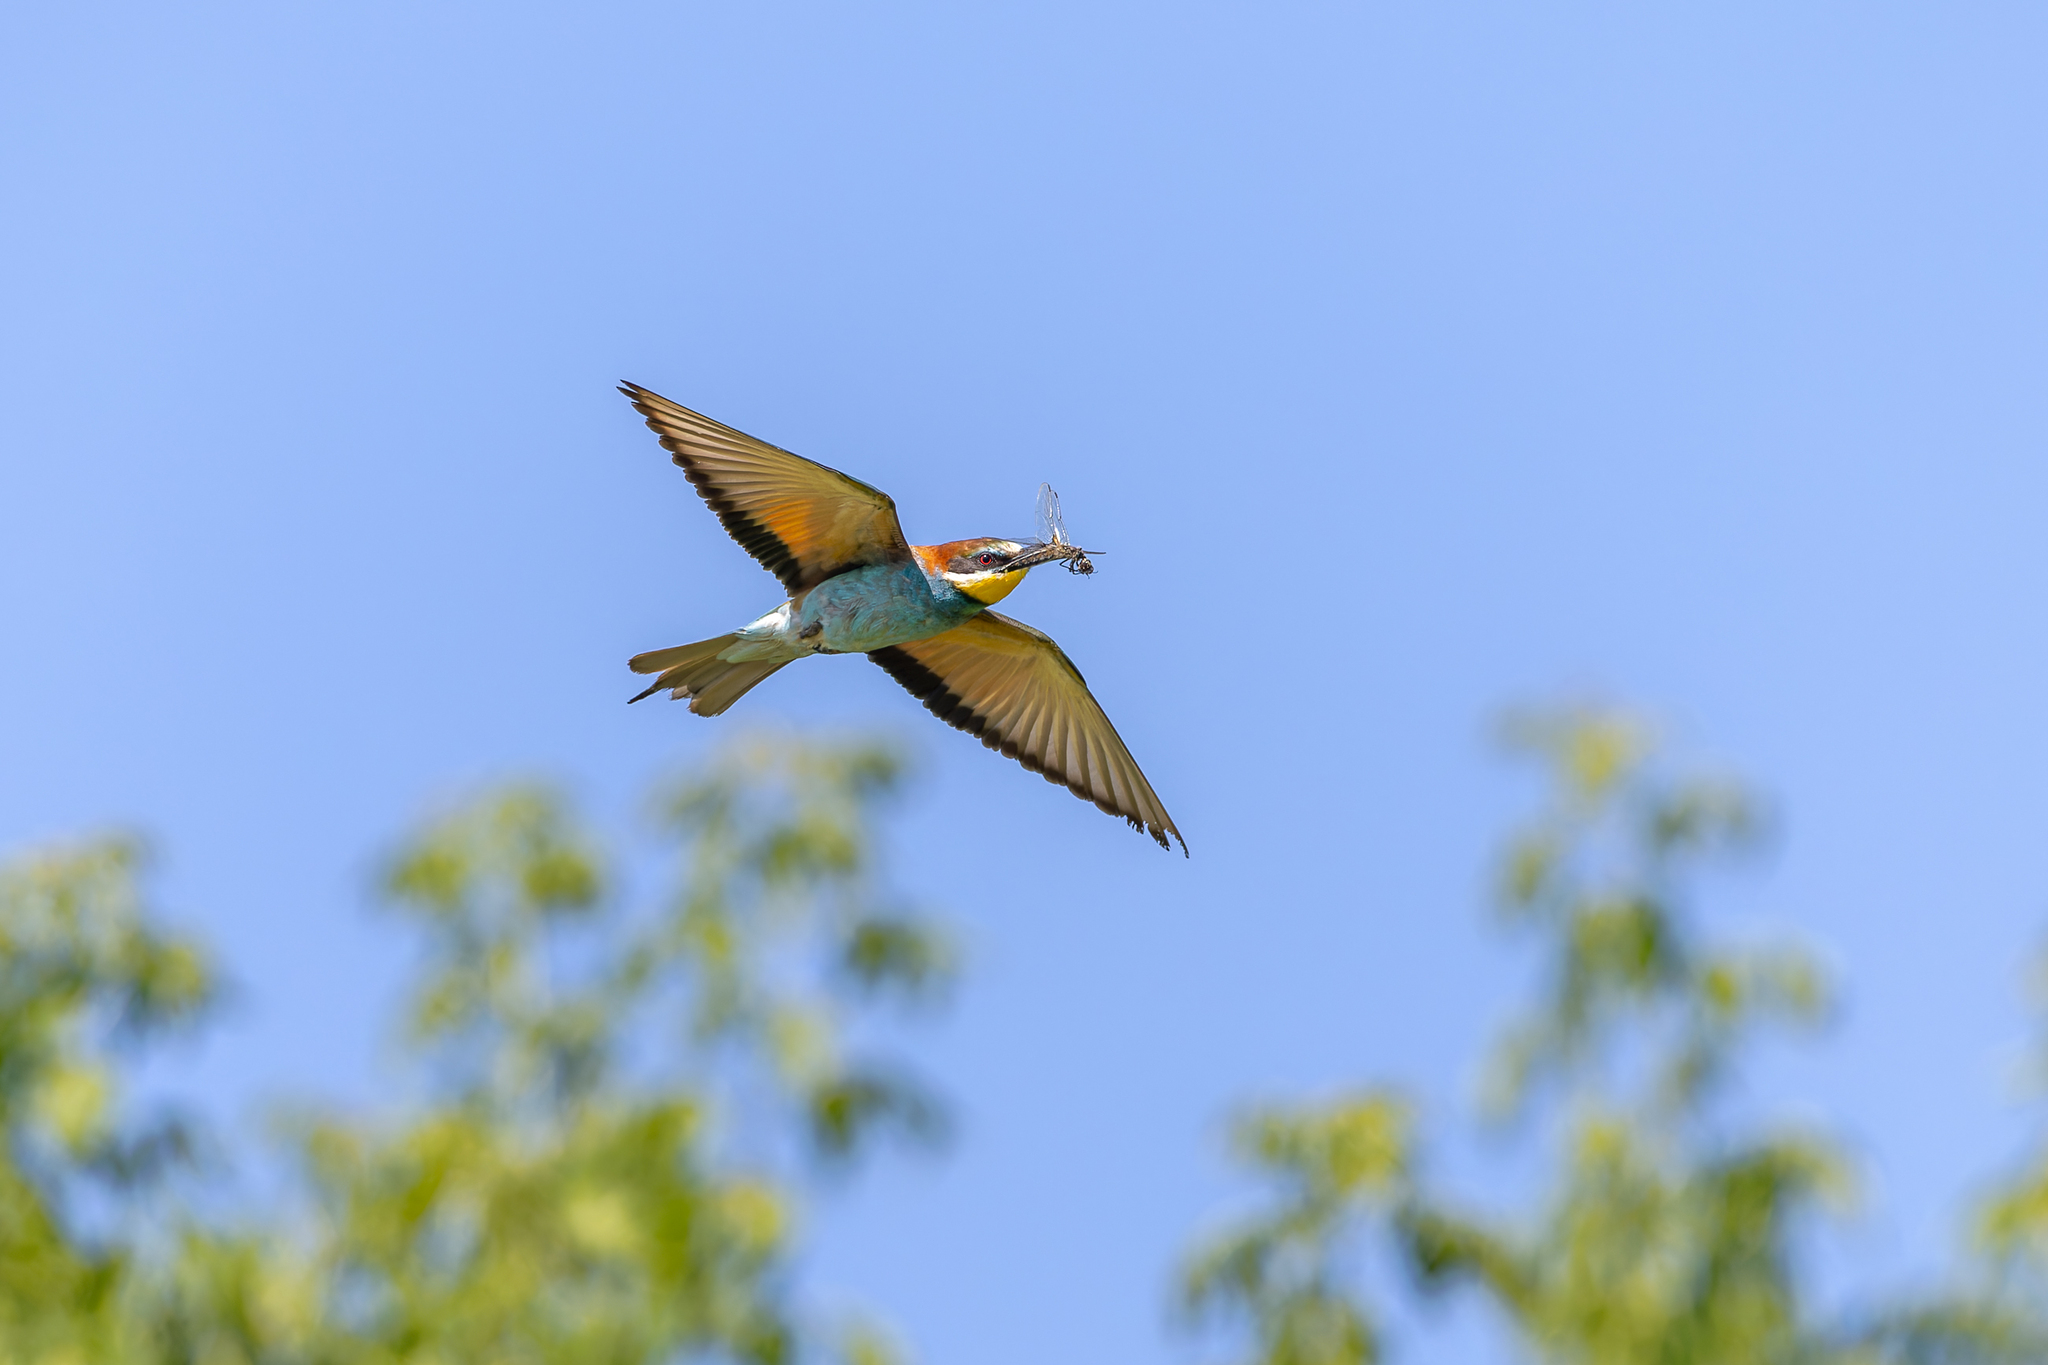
(565, 1191)
(1662, 1234)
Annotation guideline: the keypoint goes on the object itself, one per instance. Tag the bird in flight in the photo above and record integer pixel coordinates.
(856, 586)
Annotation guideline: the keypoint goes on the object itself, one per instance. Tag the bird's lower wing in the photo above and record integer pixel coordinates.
(1015, 689)
(804, 521)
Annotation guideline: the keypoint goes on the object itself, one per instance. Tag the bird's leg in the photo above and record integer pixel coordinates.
(812, 632)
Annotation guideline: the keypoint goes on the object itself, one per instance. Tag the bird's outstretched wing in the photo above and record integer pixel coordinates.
(1014, 688)
(804, 522)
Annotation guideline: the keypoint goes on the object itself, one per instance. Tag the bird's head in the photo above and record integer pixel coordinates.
(986, 570)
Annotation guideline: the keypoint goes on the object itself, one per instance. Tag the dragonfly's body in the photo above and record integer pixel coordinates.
(856, 586)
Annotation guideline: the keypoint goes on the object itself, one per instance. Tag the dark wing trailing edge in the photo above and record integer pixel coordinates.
(1015, 690)
(804, 521)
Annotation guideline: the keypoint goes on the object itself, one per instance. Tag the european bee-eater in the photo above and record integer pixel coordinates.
(856, 586)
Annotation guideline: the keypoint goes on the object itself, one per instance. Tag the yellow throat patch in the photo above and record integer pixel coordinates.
(993, 589)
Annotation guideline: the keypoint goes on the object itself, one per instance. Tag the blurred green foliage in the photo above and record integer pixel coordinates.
(617, 1100)
(84, 976)
(1664, 1226)
(617, 1104)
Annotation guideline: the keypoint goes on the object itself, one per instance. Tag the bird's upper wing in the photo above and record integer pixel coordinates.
(1014, 688)
(803, 521)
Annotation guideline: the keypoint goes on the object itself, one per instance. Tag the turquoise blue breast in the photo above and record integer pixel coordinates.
(884, 604)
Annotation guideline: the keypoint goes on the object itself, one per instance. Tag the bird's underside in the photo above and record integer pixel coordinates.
(855, 584)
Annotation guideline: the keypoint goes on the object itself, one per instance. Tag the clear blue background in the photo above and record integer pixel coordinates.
(1408, 360)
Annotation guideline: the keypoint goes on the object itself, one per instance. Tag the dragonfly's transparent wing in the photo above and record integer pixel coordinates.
(1052, 529)
(1052, 536)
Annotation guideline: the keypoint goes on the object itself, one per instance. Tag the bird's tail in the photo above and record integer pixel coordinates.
(696, 672)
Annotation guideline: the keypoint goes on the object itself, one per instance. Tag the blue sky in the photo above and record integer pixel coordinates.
(1409, 361)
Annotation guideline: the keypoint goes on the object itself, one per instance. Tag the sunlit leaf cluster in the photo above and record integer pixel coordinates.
(1665, 1227)
(613, 1107)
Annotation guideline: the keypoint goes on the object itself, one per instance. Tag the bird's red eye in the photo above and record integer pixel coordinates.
(985, 559)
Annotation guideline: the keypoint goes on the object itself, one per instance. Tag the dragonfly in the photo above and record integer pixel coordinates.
(1052, 534)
